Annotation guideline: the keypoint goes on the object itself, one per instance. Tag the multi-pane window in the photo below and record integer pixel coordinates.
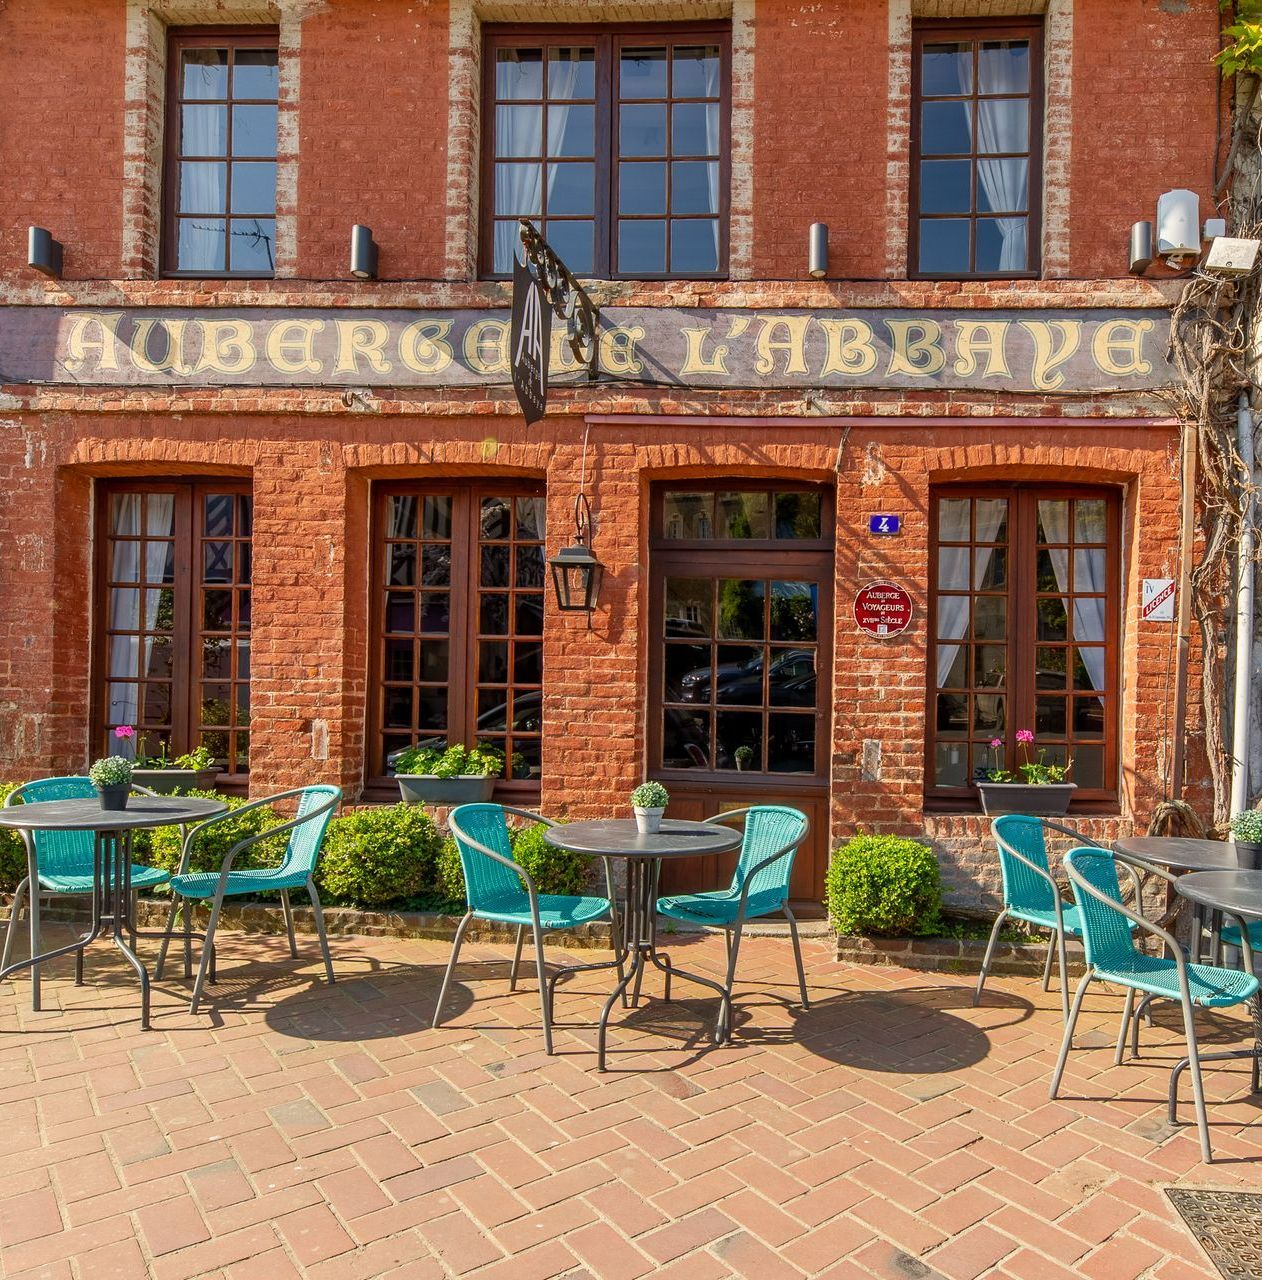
(976, 93)
(613, 145)
(173, 619)
(459, 583)
(221, 153)
(1024, 622)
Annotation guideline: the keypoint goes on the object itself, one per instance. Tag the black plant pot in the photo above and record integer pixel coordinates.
(114, 798)
(1250, 855)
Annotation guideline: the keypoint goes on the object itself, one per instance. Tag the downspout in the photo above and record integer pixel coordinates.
(1183, 621)
(1244, 616)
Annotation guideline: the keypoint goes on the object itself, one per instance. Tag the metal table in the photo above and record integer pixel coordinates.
(644, 855)
(1237, 894)
(111, 889)
(1179, 853)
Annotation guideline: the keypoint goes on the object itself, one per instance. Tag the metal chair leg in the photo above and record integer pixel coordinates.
(451, 965)
(187, 913)
(545, 1003)
(1063, 961)
(318, 912)
(1068, 1038)
(289, 923)
(32, 912)
(208, 955)
(1198, 1089)
(512, 976)
(726, 1018)
(19, 896)
(166, 937)
(1047, 963)
(797, 955)
(990, 951)
(1128, 1012)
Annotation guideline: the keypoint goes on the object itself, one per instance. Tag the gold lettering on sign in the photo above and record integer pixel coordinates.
(1050, 355)
(981, 337)
(104, 344)
(617, 349)
(486, 346)
(793, 343)
(357, 338)
(227, 347)
(921, 355)
(423, 346)
(738, 326)
(562, 358)
(1118, 347)
(848, 347)
(290, 346)
(172, 360)
(695, 358)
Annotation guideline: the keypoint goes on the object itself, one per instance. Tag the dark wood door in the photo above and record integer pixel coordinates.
(740, 651)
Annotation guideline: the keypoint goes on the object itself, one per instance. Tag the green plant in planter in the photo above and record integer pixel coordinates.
(883, 885)
(650, 795)
(12, 850)
(112, 771)
(1247, 826)
(457, 761)
(200, 758)
(377, 856)
(553, 870)
(212, 845)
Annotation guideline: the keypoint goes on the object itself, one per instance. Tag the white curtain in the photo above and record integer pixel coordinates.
(712, 139)
(954, 566)
(1089, 574)
(202, 188)
(1002, 125)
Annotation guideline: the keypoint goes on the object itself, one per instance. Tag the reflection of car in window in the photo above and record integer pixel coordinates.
(741, 682)
(527, 718)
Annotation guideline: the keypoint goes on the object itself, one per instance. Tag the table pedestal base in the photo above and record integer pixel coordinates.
(639, 929)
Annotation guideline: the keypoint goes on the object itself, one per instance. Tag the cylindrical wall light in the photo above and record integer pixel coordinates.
(1141, 247)
(817, 253)
(43, 252)
(363, 253)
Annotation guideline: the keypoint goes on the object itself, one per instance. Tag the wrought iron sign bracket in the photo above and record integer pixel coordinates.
(568, 299)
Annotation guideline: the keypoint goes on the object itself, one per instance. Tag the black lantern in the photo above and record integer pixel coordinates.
(575, 570)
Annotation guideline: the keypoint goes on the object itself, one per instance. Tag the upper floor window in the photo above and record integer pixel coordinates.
(220, 202)
(976, 135)
(614, 144)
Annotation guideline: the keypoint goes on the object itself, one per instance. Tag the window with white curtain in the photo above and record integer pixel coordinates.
(613, 144)
(1024, 623)
(976, 149)
(222, 90)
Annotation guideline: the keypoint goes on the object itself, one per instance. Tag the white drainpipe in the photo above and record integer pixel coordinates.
(1244, 618)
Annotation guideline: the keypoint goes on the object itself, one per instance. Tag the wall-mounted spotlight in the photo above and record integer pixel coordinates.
(817, 250)
(43, 252)
(1141, 248)
(1179, 224)
(363, 253)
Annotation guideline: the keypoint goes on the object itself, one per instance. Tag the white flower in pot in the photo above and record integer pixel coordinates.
(112, 779)
(649, 800)
(1246, 833)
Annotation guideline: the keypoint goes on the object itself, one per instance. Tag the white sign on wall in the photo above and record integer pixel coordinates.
(1158, 600)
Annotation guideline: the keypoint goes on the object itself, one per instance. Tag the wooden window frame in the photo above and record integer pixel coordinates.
(607, 40)
(179, 39)
(1020, 692)
(934, 31)
(751, 557)
(462, 631)
(187, 632)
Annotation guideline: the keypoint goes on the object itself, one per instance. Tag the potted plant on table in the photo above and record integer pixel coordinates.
(649, 800)
(194, 770)
(112, 778)
(457, 775)
(1246, 834)
(1036, 787)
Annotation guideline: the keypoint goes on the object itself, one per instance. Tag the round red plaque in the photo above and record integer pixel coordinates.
(882, 609)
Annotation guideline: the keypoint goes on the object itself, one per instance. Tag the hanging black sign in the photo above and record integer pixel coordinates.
(530, 342)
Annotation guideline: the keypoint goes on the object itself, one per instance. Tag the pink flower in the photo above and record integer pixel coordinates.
(996, 743)
(1025, 735)
(124, 731)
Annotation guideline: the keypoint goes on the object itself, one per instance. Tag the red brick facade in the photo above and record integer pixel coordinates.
(374, 97)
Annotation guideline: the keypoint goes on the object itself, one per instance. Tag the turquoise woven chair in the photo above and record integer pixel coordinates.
(1031, 894)
(296, 871)
(760, 887)
(1108, 926)
(64, 862)
(500, 890)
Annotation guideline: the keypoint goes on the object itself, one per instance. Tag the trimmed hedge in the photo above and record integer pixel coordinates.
(212, 846)
(375, 857)
(553, 870)
(884, 885)
(12, 849)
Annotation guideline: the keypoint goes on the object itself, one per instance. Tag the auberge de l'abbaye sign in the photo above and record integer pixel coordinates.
(1038, 351)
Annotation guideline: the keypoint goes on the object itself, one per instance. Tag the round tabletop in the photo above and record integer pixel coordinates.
(1236, 891)
(620, 838)
(1179, 853)
(87, 814)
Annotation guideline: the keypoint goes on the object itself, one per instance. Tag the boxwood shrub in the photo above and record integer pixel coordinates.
(884, 885)
(553, 870)
(379, 856)
(12, 849)
(212, 845)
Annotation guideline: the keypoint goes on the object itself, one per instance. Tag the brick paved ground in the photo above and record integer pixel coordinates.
(892, 1131)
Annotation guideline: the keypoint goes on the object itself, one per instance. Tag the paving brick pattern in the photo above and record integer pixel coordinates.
(296, 1130)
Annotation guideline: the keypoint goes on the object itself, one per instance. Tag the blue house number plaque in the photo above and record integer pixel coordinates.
(885, 524)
